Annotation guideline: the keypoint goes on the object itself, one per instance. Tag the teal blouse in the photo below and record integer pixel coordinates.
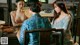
(34, 22)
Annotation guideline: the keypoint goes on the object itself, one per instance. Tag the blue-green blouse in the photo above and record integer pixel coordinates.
(34, 22)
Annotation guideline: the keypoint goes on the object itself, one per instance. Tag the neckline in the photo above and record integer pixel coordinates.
(61, 18)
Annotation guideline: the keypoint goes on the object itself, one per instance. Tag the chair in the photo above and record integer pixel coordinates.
(78, 28)
(44, 35)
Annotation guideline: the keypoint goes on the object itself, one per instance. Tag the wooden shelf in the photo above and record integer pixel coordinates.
(3, 5)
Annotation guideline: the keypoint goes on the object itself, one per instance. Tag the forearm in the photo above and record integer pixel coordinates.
(17, 24)
(18, 34)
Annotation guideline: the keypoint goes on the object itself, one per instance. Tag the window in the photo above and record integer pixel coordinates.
(25, 0)
(43, 1)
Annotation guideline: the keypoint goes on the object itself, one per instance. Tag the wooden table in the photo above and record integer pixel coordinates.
(1, 25)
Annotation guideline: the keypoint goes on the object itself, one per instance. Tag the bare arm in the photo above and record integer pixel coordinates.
(13, 14)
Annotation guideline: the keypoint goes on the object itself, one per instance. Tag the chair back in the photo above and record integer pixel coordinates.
(44, 35)
(78, 26)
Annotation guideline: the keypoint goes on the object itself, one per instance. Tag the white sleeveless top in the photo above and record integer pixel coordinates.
(61, 24)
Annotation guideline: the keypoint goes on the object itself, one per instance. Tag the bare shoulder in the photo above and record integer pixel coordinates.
(68, 16)
(12, 12)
